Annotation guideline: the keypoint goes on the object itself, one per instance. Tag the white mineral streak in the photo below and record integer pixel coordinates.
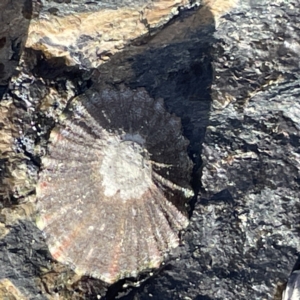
(187, 192)
(292, 291)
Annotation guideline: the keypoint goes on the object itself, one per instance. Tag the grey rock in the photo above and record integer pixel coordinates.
(243, 239)
(14, 18)
(22, 255)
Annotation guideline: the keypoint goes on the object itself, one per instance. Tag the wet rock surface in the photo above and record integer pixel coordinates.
(231, 73)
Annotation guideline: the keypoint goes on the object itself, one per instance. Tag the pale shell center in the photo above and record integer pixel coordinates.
(126, 168)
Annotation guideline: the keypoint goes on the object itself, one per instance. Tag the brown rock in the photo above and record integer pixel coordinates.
(90, 38)
(14, 178)
(9, 292)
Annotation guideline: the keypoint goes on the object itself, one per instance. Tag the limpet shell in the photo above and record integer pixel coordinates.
(113, 187)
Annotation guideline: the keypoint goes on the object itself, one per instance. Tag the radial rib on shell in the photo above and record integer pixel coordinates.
(112, 191)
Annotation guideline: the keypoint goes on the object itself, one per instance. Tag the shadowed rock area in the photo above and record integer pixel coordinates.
(229, 70)
(14, 19)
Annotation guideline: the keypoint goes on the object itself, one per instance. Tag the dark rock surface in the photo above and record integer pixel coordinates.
(243, 239)
(22, 256)
(235, 84)
(15, 17)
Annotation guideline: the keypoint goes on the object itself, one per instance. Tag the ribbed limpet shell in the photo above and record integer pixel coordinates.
(113, 187)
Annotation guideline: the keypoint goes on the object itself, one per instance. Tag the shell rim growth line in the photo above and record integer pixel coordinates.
(113, 188)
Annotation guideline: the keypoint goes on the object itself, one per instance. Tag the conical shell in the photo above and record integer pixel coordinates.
(113, 186)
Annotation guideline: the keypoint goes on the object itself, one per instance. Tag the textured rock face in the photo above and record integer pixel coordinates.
(15, 18)
(88, 35)
(233, 81)
(243, 239)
